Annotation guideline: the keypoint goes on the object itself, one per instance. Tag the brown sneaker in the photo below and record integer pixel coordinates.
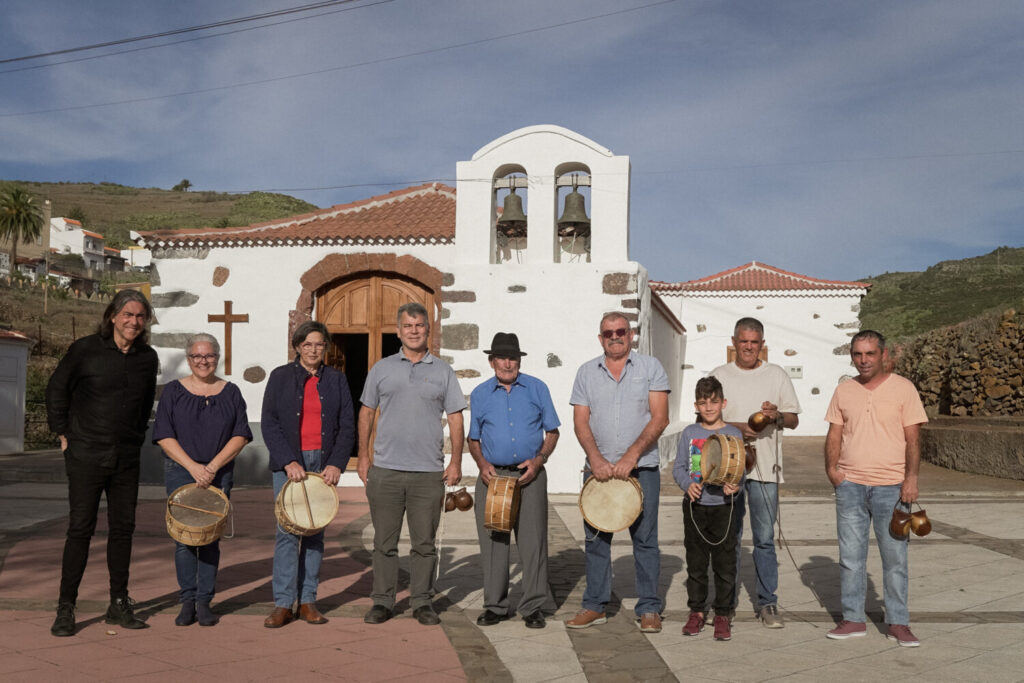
(279, 617)
(649, 623)
(585, 618)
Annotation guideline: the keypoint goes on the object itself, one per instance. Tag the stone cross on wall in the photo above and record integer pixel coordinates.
(227, 318)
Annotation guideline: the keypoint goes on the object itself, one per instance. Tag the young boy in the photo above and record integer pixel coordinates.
(709, 528)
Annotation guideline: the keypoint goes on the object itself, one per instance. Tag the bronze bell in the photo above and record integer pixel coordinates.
(512, 222)
(574, 221)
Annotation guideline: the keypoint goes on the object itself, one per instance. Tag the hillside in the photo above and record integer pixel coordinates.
(113, 210)
(902, 305)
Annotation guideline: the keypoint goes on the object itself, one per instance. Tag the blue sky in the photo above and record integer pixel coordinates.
(835, 139)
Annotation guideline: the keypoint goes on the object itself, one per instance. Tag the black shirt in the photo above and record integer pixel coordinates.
(100, 399)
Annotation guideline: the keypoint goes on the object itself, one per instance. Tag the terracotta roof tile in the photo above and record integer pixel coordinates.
(755, 277)
(92, 234)
(14, 335)
(72, 221)
(420, 214)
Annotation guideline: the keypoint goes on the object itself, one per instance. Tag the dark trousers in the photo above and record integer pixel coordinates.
(713, 522)
(87, 483)
(531, 529)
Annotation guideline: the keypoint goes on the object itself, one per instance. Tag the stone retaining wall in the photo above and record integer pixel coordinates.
(979, 445)
(975, 368)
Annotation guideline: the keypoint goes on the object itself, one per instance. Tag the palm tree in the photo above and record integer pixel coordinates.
(20, 219)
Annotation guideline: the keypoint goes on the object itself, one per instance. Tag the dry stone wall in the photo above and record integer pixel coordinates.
(975, 368)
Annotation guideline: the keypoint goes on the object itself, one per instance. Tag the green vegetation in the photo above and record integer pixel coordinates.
(902, 305)
(114, 210)
(21, 219)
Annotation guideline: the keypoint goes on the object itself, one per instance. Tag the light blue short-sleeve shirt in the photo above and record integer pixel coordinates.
(619, 410)
(510, 425)
(411, 397)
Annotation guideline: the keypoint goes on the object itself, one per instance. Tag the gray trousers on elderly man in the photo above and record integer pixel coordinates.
(531, 529)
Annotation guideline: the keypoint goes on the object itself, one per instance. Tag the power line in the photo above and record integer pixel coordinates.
(193, 40)
(179, 31)
(318, 72)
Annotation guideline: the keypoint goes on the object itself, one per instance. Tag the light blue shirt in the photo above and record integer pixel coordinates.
(619, 410)
(411, 397)
(510, 425)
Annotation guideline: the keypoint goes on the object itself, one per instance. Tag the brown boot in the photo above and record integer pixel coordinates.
(279, 617)
(310, 614)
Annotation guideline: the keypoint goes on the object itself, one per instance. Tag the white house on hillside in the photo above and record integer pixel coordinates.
(67, 236)
(808, 323)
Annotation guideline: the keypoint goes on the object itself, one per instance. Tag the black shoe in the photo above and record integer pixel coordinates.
(489, 618)
(64, 624)
(187, 615)
(206, 615)
(426, 615)
(535, 620)
(122, 613)
(378, 614)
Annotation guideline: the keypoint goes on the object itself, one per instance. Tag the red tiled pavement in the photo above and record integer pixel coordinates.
(237, 649)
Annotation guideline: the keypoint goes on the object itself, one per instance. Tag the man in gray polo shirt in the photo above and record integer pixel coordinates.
(406, 475)
(620, 408)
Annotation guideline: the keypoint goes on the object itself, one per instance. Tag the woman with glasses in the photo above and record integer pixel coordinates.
(308, 425)
(201, 426)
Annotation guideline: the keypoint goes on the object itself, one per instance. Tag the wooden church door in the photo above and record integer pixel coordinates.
(361, 315)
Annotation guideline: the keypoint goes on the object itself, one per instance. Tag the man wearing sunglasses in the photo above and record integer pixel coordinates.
(620, 408)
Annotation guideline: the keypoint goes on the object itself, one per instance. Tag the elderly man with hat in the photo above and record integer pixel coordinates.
(513, 430)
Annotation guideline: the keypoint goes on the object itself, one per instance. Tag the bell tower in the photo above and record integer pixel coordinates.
(523, 199)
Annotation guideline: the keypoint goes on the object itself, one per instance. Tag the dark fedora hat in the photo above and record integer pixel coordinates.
(505, 345)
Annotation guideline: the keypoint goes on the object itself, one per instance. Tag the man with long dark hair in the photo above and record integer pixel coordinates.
(98, 402)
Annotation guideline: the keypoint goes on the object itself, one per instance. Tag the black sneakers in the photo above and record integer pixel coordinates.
(122, 613)
(64, 624)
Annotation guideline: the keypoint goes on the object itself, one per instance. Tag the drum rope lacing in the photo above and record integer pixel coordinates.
(728, 526)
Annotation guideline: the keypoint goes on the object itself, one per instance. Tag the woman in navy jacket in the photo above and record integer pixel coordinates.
(308, 426)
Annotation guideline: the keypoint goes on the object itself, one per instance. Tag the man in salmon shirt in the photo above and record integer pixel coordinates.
(872, 457)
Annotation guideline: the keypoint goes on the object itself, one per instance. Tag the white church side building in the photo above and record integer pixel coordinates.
(807, 328)
(351, 266)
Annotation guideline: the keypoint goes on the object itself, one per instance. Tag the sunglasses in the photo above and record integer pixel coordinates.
(608, 334)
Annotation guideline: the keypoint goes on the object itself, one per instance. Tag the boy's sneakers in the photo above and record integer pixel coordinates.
(770, 617)
(722, 630)
(848, 629)
(586, 617)
(694, 625)
(902, 635)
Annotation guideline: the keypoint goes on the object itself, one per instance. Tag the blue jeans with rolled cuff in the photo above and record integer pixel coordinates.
(297, 558)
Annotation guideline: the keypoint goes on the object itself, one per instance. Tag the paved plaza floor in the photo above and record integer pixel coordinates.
(966, 598)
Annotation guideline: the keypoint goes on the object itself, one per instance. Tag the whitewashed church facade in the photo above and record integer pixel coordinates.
(351, 266)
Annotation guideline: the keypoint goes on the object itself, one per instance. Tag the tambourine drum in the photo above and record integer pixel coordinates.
(196, 516)
(306, 507)
(502, 504)
(611, 505)
(722, 460)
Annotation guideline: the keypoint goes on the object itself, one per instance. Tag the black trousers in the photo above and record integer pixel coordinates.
(713, 521)
(87, 482)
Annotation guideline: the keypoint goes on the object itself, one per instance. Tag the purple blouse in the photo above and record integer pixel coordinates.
(201, 424)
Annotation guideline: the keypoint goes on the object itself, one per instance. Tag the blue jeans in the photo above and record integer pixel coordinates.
(857, 508)
(196, 566)
(297, 558)
(646, 555)
(763, 497)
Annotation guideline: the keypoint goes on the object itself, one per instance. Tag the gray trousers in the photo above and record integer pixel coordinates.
(531, 529)
(417, 496)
